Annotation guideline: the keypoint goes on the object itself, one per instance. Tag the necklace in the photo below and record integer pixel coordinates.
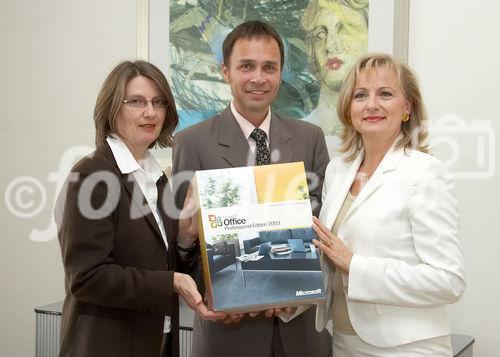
(364, 176)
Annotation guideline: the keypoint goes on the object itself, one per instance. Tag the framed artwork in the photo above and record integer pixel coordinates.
(322, 38)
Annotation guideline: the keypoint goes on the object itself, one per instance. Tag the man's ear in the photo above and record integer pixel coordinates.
(225, 72)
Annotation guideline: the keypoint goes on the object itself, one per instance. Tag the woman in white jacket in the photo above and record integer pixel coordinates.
(388, 228)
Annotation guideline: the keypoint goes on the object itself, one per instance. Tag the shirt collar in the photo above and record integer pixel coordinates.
(128, 164)
(248, 127)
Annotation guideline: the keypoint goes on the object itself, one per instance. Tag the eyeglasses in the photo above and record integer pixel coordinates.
(141, 102)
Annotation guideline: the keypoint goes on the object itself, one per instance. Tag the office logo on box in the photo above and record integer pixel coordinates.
(214, 221)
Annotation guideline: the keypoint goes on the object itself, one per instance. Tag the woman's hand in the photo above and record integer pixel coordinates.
(332, 246)
(185, 286)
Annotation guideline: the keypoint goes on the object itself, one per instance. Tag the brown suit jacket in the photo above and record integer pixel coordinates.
(220, 143)
(118, 273)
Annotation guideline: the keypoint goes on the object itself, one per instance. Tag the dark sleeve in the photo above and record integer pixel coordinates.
(185, 161)
(188, 264)
(320, 161)
(87, 247)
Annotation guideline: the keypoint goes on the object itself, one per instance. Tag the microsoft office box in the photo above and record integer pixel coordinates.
(256, 238)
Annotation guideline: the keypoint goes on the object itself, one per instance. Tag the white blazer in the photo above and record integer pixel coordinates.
(403, 231)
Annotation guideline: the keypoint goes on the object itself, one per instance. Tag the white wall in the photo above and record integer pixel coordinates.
(454, 48)
(54, 56)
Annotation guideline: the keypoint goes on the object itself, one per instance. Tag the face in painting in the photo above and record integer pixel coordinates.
(378, 105)
(339, 38)
(254, 75)
(140, 127)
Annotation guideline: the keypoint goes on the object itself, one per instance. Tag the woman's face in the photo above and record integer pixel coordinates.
(140, 127)
(339, 38)
(378, 105)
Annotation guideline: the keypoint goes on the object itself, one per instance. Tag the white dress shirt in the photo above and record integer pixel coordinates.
(248, 127)
(146, 173)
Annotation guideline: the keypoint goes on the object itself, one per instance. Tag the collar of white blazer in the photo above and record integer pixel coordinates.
(345, 172)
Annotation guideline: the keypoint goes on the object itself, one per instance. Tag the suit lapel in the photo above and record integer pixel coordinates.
(142, 208)
(165, 199)
(280, 142)
(388, 163)
(339, 187)
(235, 149)
(129, 183)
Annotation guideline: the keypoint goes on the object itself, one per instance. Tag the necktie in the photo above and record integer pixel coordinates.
(262, 155)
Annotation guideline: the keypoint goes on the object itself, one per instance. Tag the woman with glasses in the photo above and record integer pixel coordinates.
(119, 247)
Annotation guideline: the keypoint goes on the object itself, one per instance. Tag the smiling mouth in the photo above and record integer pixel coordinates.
(257, 92)
(147, 126)
(334, 63)
(373, 118)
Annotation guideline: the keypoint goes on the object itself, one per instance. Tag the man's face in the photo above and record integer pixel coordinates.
(254, 75)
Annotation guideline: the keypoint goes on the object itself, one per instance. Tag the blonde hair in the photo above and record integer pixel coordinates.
(414, 131)
(112, 94)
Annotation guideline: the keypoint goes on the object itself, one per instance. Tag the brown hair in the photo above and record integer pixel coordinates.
(414, 131)
(248, 30)
(112, 94)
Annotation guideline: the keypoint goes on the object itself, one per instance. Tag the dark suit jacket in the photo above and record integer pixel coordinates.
(118, 273)
(219, 143)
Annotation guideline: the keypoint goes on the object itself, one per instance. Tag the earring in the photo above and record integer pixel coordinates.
(406, 117)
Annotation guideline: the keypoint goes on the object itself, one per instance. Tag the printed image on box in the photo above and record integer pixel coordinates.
(256, 238)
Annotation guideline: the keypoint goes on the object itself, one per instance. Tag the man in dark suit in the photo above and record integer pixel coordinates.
(247, 133)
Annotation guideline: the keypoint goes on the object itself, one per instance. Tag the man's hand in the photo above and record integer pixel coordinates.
(280, 311)
(234, 318)
(188, 224)
(185, 286)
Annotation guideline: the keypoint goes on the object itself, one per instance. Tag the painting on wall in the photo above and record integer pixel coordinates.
(322, 39)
